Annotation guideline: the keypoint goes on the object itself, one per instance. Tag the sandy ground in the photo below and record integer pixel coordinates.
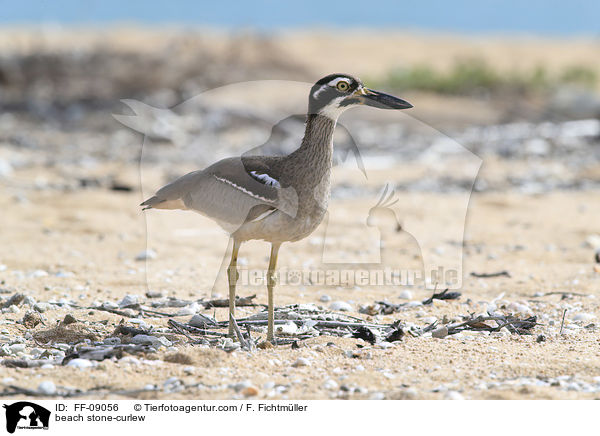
(96, 234)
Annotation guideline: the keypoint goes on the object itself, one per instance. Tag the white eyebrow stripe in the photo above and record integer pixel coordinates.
(338, 80)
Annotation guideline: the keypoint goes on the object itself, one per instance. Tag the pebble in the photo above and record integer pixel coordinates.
(39, 273)
(47, 388)
(250, 391)
(128, 300)
(12, 309)
(593, 241)
(16, 348)
(519, 308)
(200, 321)
(112, 341)
(42, 307)
(192, 309)
(289, 328)
(330, 384)
(341, 306)
(151, 340)
(146, 255)
(80, 363)
(325, 299)
(301, 361)
(453, 395)
(582, 316)
(405, 295)
(238, 387)
(440, 332)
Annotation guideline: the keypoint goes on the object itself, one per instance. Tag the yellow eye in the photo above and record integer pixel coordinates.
(342, 86)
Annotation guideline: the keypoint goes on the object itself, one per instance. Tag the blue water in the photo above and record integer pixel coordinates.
(551, 17)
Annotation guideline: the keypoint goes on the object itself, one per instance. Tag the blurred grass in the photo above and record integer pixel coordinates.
(474, 77)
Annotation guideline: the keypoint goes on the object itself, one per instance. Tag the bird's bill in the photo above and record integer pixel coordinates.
(381, 100)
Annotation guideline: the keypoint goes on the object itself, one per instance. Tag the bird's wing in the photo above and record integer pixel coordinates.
(231, 191)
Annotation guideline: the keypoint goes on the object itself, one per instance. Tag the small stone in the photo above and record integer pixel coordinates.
(540, 338)
(440, 332)
(112, 341)
(80, 363)
(301, 361)
(405, 295)
(47, 388)
(325, 299)
(42, 307)
(201, 321)
(146, 255)
(519, 308)
(593, 241)
(155, 294)
(14, 300)
(341, 306)
(31, 319)
(250, 391)
(17, 348)
(453, 395)
(505, 332)
(69, 319)
(239, 387)
(150, 340)
(287, 329)
(330, 384)
(39, 273)
(128, 300)
(582, 316)
(191, 309)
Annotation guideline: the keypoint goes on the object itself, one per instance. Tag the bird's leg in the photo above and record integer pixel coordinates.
(232, 275)
(271, 279)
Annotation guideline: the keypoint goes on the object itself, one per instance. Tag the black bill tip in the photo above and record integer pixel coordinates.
(384, 101)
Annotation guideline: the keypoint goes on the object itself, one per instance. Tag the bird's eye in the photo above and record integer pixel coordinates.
(342, 86)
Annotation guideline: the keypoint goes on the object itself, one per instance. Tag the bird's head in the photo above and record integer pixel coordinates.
(335, 93)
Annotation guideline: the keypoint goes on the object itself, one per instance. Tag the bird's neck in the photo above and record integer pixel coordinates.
(317, 144)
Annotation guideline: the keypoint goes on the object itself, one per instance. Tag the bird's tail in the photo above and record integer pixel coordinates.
(151, 202)
(156, 202)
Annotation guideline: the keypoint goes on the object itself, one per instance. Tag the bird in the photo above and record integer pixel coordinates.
(277, 199)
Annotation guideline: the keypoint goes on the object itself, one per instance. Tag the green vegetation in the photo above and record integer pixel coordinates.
(476, 77)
